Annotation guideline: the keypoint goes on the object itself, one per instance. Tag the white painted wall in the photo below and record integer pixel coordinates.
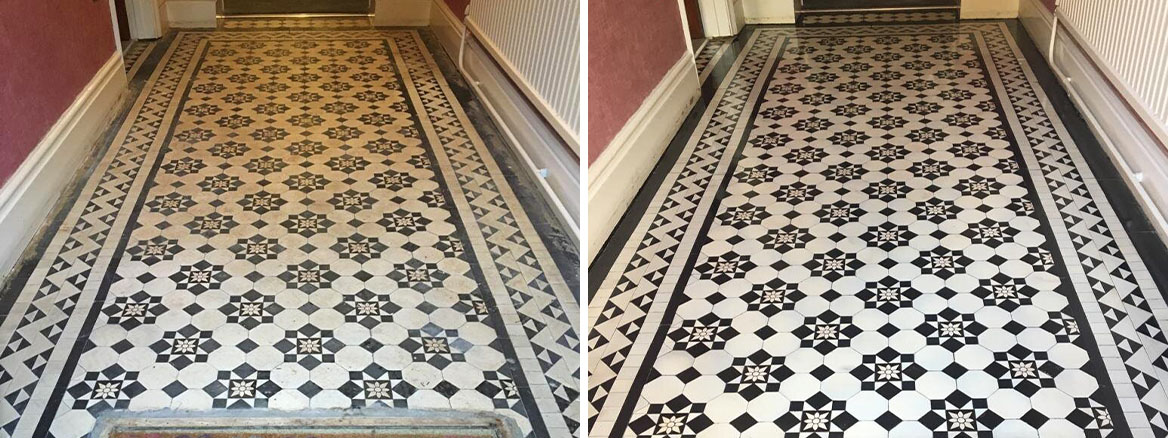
(769, 11)
(973, 9)
(401, 13)
(191, 13)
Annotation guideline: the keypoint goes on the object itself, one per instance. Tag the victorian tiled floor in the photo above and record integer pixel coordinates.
(875, 231)
(293, 219)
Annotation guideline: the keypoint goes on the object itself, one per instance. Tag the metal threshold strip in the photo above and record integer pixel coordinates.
(300, 15)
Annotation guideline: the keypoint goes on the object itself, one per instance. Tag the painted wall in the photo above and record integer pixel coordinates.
(458, 7)
(769, 11)
(1049, 4)
(631, 45)
(49, 51)
(977, 9)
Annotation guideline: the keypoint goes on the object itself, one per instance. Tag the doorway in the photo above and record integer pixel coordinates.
(853, 12)
(813, 5)
(283, 7)
(122, 17)
(693, 16)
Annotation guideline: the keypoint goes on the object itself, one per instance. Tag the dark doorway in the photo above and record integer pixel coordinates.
(123, 20)
(693, 14)
(874, 4)
(245, 7)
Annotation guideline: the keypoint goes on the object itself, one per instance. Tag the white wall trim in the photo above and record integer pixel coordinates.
(1038, 23)
(1140, 160)
(446, 26)
(547, 157)
(623, 166)
(685, 26)
(28, 197)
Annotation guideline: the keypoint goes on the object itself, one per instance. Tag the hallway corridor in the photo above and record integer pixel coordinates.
(875, 231)
(295, 219)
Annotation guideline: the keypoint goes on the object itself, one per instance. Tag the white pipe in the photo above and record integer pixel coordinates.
(1053, 37)
(1134, 179)
(462, 47)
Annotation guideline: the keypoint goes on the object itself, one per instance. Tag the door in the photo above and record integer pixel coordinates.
(693, 14)
(874, 4)
(123, 20)
(241, 7)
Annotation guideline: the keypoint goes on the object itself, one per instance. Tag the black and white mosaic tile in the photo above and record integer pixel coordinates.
(709, 55)
(293, 220)
(880, 231)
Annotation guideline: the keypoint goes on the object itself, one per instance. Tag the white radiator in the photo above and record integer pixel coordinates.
(537, 43)
(1130, 39)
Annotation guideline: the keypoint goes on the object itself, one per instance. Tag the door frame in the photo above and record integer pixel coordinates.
(720, 18)
(117, 31)
(147, 18)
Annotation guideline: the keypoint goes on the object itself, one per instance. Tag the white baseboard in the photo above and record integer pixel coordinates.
(982, 9)
(623, 166)
(1132, 147)
(28, 197)
(191, 14)
(1038, 22)
(446, 26)
(533, 139)
(402, 12)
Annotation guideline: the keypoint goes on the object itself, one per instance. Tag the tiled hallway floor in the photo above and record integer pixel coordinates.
(291, 220)
(876, 231)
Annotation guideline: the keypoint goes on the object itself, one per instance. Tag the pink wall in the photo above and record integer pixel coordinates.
(458, 6)
(631, 45)
(1049, 4)
(49, 50)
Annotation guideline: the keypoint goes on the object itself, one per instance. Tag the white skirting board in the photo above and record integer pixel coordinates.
(447, 27)
(28, 197)
(1140, 160)
(526, 132)
(619, 171)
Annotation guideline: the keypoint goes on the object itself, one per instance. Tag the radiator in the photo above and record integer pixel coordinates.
(537, 43)
(1129, 38)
